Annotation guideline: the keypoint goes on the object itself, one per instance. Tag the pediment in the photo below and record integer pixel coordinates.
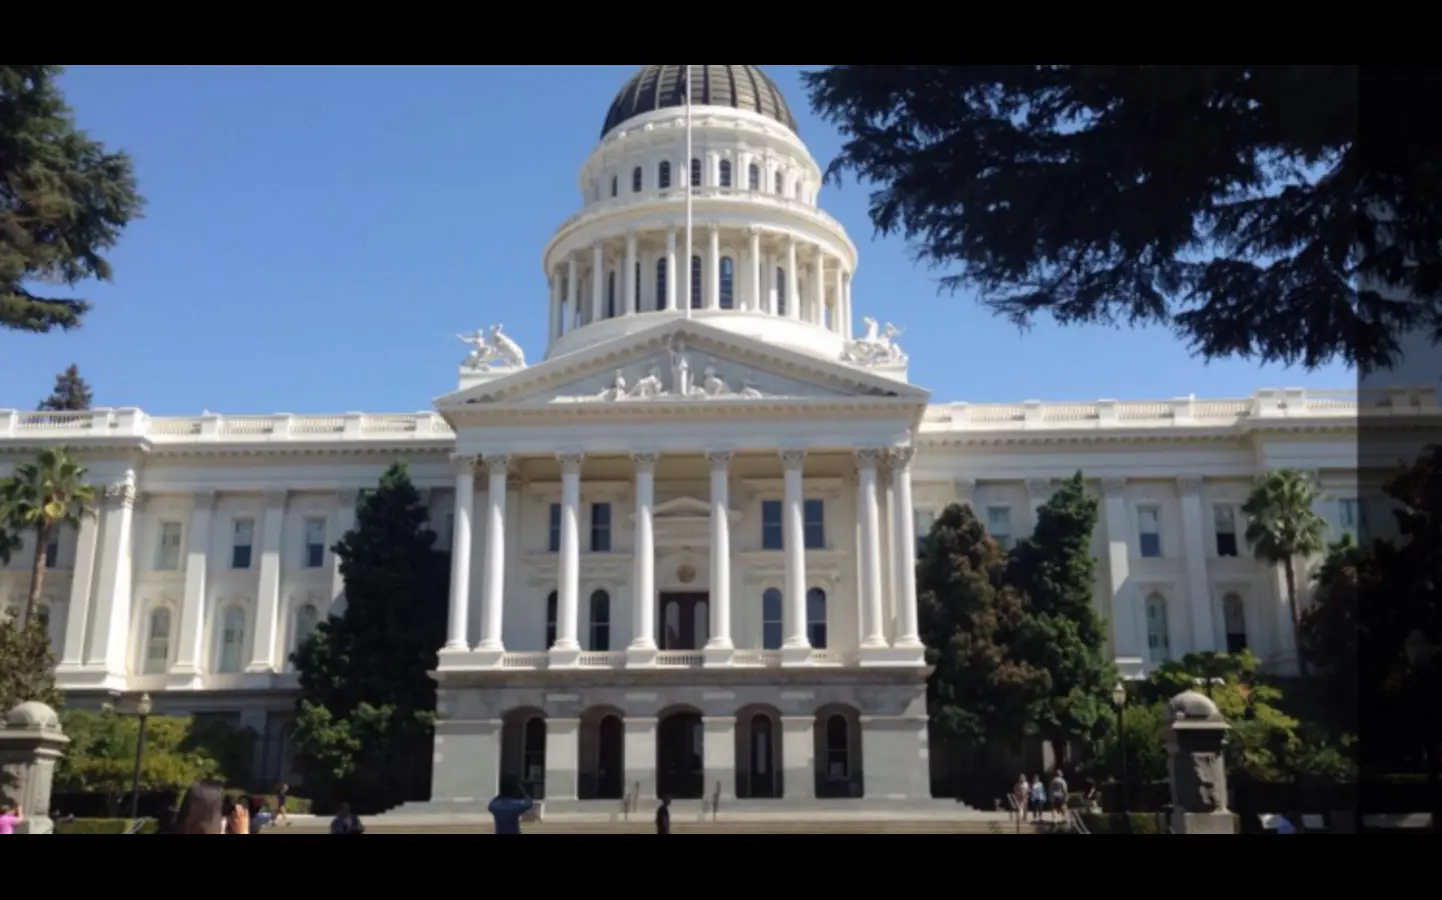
(686, 362)
(682, 508)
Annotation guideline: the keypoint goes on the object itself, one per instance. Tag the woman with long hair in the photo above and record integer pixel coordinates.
(201, 810)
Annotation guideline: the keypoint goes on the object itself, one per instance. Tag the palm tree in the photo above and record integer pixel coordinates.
(1281, 526)
(41, 495)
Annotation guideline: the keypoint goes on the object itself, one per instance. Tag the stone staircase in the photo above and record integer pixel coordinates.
(973, 824)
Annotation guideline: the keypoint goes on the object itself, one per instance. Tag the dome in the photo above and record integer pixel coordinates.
(659, 87)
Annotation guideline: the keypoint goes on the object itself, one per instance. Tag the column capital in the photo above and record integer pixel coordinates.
(120, 496)
(645, 462)
(202, 500)
(713, 227)
(793, 459)
(347, 497)
(570, 462)
(497, 463)
(869, 457)
(463, 464)
(1189, 484)
(754, 231)
(719, 459)
(901, 457)
(1113, 486)
(276, 498)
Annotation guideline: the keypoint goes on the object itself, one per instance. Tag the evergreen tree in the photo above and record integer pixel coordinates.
(64, 200)
(978, 691)
(1061, 632)
(71, 393)
(367, 704)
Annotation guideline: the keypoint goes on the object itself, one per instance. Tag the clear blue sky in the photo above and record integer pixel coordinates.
(316, 237)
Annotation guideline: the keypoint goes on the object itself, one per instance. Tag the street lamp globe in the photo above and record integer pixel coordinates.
(1119, 695)
(142, 708)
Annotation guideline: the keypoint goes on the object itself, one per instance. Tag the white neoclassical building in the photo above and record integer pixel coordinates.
(684, 538)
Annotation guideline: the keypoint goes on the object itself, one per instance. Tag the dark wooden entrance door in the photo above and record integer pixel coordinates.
(610, 766)
(685, 621)
(763, 757)
(679, 772)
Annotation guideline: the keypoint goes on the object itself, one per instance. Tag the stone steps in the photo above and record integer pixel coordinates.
(936, 826)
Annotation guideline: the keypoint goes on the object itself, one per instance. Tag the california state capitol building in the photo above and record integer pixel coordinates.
(684, 532)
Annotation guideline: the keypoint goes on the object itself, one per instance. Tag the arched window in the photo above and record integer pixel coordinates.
(232, 640)
(695, 282)
(551, 620)
(695, 173)
(780, 291)
(611, 294)
(779, 183)
(771, 619)
(728, 283)
(661, 283)
(636, 180)
(753, 177)
(600, 621)
(1234, 619)
(636, 280)
(816, 618)
(157, 642)
(533, 754)
(613, 185)
(725, 173)
(838, 747)
(307, 616)
(1159, 642)
(663, 175)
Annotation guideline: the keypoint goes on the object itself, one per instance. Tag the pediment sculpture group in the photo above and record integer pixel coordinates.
(493, 350)
(876, 347)
(682, 383)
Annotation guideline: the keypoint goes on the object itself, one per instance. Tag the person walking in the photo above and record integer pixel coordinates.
(1020, 792)
(1058, 796)
(663, 816)
(10, 818)
(281, 790)
(508, 806)
(1037, 798)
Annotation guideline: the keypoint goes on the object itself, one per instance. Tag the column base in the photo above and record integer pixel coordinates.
(183, 679)
(641, 657)
(563, 658)
(448, 660)
(260, 668)
(891, 656)
(719, 656)
(792, 657)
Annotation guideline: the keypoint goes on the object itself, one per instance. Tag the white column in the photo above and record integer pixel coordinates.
(598, 282)
(628, 277)
(670, 270)
(836, 313)
(267, 599)
(109, 644)
(713, 268)
(885, 511)
(345, 504)
(82, 584)
(1038, 492)
(793, 299)
(769, 289)
(866, 506)
(846, 310)
(1194, 550)
(460, 600)
(642, 651)
(190, 652)
(719, 649)
(1128, 636)
(753, 264)
(553, 327)
(493, 595)
(572, 294)
(796, 647)
(818, 289)
(566, 650)
(904, 519)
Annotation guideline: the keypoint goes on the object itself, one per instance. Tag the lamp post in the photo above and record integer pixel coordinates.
(142, 713)
(1420, 653)
(1119, 700)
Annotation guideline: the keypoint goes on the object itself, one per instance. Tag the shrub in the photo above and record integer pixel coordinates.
(103, 826)
(293, 804)
(1131, 823)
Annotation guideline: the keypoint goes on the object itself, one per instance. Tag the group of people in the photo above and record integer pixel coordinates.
(1037, 798)
(207, 809)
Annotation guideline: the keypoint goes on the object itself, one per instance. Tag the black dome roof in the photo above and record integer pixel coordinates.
(659, 87)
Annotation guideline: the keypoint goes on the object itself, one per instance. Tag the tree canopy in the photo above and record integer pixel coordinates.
(1238, 205)
(71, 393)
(48, 492)
(367, 704)
(64, 201)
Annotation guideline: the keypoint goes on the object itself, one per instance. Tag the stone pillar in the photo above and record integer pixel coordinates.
(1194, 552)
(563, 758)
(267, 600)
(639, 754)
(753, 264)
(798, 757)
(567, 650)
(885, 511)
(846, 318)
(1197, 770)
(345, 501)
(191, 651)
(818, 289)
(1038, 492)
(1128, 635)
(872, 636)
(553, 326)
(793, 299)
(111, 628)
(493, 594)
(837, 304)
(670, 270)
(719, 649)
(598, 282)
(904, 521)
(31, 743)
(628, 277)
(642, 651)
(460, 600)
(796, 646)
(82, 587)
(466, 767)
(713, 269)
(718, 755)
(573, 293)
(895, 757)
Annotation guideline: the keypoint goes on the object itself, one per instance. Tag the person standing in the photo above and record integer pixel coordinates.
(202, 810)
(1058, 796)
(281, 790)
(10, 817)
(508, 807)
(1037, 798)
(663, 816)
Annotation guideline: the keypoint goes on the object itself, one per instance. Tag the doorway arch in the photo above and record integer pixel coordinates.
(602, 771)
(523, 749)
(680, 754)
(759, 770)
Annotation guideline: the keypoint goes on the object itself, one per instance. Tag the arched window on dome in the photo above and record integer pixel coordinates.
(613, 185)
(725, 173)
(660, 284)
(779, 183)
(728, 283)
(695, 173)
(611, 294)
(695, 282)
(663, 175)
(753, 177)
(780, 291)
(636, 280)
(636, 180)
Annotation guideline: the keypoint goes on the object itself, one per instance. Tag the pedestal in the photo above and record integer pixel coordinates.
(31, 743)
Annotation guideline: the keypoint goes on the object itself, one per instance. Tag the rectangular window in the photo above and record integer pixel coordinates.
(241, 543)
(813, 519)
(600, 528)
(314, 543)
(771, 530)
(450, 536)
(167, 555)
(998, 525)
(554, 542)
(924, 519)
(1225, 518)
(1149, 532)
(52, 549)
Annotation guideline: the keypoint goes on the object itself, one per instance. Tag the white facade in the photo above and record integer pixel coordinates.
(618, 510)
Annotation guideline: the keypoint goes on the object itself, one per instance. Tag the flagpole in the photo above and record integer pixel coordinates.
(687, 175)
